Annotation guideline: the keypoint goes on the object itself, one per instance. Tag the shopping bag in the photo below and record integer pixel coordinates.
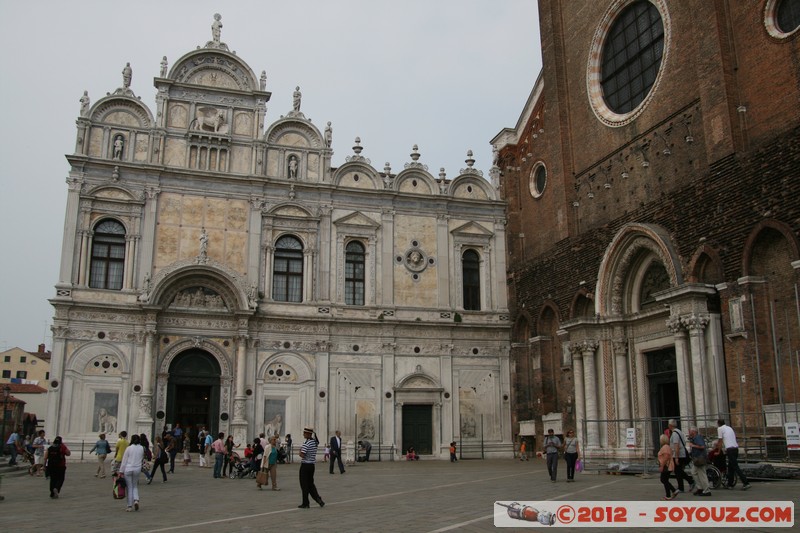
(261, 478)
(579, 466)
(119, 488)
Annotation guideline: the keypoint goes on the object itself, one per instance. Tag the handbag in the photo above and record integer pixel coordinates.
(700, 461)
(261, 478)
(118, 491)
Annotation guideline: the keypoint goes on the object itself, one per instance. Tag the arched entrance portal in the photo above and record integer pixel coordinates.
(193, 392)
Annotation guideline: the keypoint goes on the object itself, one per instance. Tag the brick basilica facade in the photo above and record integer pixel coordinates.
(652, 183)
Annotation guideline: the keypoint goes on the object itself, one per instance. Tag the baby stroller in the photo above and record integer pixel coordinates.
(282, 455)
(241, 469)
(29, 458)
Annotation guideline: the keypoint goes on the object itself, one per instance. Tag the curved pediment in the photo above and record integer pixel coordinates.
(214, 68)
(122, 111)
(295, 133)
(113, 192)
(472, 187)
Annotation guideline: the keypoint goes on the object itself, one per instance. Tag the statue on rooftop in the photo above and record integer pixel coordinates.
(127, 75)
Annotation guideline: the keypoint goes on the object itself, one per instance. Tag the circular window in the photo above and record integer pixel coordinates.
(166, 340)
(287, 345)
(538, 180)
(322, 394)
(626, 58)
(226, 343)
(388, 394)
(475, 351)
(355, 347)
(160, 415)
(249, 392)
(106, 364)
(782, 17)
(224, 416)
(54, 384)
(101, 335)
(416, 349)
(137, 388)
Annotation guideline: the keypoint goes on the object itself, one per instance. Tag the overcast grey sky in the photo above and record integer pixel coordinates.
(444, 74)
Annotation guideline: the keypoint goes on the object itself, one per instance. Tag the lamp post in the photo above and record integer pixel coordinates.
(6, 394)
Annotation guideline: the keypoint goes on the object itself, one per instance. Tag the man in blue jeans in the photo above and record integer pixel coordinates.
(728, 438)
(14, 444)
(551, 446)
(219, 454)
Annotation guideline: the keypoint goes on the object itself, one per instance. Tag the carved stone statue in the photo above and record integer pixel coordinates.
(495, 155)
(119, 144)
(85, 102)
(263, 81)
(252, 296)
(203, 243)
(209, 119)
(164, 65)
(296, 97)
(292, 167)
(127, 76)
(216, 28)
(328, 135)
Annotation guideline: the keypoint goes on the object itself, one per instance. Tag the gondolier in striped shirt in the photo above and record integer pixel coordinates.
(308, 457)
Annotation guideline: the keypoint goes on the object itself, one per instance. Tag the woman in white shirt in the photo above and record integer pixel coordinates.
(131, 467)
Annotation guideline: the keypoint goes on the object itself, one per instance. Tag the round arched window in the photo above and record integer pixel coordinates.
(782, 17)
(538, 180)
(627, 55)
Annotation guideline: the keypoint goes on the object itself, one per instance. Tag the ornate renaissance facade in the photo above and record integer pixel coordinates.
(658, 160)
(216, 272)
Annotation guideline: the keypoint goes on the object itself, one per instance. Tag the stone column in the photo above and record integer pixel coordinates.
(83, 266)
(577, 374)
(696, 325)
(145, 419)
(621, 385)
(239, 397)
(55, 387)
(442, 260)
(589, 349)
(386, 282)
(678, 329)
(66, 273)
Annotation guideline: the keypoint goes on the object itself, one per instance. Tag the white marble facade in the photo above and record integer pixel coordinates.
(174, 276)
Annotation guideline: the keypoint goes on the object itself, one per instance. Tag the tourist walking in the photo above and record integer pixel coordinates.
(666, 465)
(680, 454)
(269, 462)
(102, 448)
(187, 446)
(148, 456)
(572, 451)
(336, 451)
(699, 460)
(119, 451)
(40, 444)
(308, 457)
(523, 450)
(551, 446)
(131, 467)
(209, 450)
(228, 458)
(14, 445)
(55, 460)
(728, 438)
(171, 445)
(219, 454)
(160, 458)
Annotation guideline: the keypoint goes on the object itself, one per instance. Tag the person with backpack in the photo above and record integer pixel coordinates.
(680, 454)
(102, 448)
(55, 460)
(160, 458)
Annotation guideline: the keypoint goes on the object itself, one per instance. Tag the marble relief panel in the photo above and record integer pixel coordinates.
(235, 249)
(175, 153)
(240, 159)
(273, 158)
(242, 124)
(169, 209)
(215, 213)
(141, 148)
(237, 216)
(177, 116)
(167, 238)
(96, 141)
(123, 118)
(313, 166)
(192, 211)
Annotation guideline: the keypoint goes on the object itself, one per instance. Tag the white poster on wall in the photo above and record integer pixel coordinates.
(630, 437)
(792, 435)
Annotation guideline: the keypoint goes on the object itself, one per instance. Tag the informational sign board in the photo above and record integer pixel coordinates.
(630, 437)
(792, 435)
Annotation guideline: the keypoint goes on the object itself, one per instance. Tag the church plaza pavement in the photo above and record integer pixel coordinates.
(421, 496)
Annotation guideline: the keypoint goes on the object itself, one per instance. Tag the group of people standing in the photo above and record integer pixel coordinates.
(679, 451)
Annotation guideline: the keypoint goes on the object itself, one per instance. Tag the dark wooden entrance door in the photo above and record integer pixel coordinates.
(418, 428)
(662, 376)
(193, 393)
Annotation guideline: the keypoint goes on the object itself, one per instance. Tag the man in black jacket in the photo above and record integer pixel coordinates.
(336, 451)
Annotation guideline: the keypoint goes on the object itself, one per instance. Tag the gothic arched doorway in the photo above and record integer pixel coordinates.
(193, 392)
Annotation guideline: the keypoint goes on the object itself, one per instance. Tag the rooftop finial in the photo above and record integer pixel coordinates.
(469, 160)
(415, 153)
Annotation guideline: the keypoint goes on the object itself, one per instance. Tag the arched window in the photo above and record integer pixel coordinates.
(354, 274)
(287, 275)
(108, 256)
(471, 268)
(632, 56)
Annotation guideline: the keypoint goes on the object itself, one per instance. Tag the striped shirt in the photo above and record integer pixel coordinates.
(309, 451)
